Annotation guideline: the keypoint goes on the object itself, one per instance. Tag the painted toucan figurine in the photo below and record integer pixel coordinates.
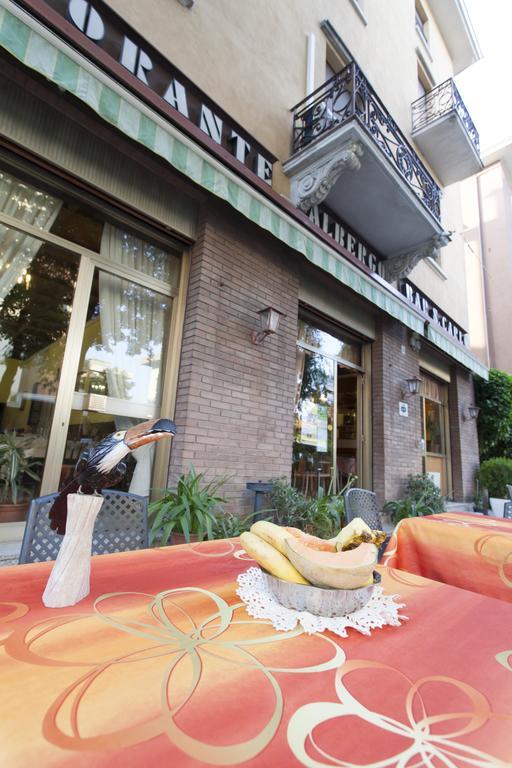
(103, 466)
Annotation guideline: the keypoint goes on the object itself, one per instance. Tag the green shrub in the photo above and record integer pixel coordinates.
(407, 508)
(323, 515)
(190, 507)
(495, 475)
(494, 398)
(421, 488)
(229, 525)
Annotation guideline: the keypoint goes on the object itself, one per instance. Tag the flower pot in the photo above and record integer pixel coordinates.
(497, 507)
(14, 513)
(179, 538)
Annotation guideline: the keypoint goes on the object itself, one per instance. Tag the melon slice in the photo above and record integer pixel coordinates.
(314, 542)
(356, 527)
(338, 570)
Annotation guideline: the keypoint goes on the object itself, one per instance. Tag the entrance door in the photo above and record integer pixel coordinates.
(435, 434)
(328, 435)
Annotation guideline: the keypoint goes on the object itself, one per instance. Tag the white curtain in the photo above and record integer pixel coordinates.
(132, 322)
(17, 250)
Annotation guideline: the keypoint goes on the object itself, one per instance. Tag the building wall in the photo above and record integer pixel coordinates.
(463, 435)
(234, 409)
(495, 196)
(251, 58)
(396, 438)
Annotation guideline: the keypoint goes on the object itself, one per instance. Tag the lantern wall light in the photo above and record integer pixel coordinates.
(269, 323)
(412, 387)
(472, 413)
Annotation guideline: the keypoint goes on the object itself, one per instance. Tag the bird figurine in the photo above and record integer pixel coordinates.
(103, 466)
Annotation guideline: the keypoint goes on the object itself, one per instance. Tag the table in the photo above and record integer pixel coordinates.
(463, 549)
(161, 666)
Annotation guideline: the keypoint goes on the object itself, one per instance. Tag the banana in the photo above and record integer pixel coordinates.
(270, 558)
(272, 533)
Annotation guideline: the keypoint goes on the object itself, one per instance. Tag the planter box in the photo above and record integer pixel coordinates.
(497, 507)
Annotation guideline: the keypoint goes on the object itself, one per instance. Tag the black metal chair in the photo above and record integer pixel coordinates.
(121, 525)
(362, 503)
(507, 510)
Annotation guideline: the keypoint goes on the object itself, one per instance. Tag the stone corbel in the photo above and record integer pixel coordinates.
(315, 184)
(402, 264)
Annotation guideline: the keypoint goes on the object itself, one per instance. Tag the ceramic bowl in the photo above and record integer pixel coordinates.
(319, 601)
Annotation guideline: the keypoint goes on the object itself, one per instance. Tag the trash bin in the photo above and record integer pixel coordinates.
(260, 490)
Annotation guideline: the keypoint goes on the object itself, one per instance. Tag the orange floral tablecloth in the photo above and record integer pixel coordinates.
(462, 549)
(162, 666)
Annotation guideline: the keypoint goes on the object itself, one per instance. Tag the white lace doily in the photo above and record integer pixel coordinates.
(260, 603)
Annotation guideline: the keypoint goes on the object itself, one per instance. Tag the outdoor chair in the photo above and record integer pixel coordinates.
(507, 509)
(121, 525)
(363, 504)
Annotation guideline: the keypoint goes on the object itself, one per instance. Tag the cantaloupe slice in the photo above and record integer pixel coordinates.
(314, 542)
(338, 570)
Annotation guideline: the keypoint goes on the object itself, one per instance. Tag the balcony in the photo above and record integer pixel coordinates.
(349, 153)
(443, 130)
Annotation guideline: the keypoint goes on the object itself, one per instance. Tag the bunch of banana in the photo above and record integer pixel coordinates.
(265, 544)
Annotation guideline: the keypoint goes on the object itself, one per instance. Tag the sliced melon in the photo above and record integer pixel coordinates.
(338, 570)
(270, 558)
(356, 527)
(315, 542)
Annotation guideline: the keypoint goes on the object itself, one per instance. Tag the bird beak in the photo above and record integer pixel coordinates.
(149, 432)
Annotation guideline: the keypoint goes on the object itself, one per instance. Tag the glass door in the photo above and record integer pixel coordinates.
(313, 444)
(328, 434)
(120, 371)
(434, 400)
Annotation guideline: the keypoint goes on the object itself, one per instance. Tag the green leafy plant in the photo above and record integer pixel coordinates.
(190, 507)
(421, 487)
(408, 507)
(14, 465)
(229, 525)
(323, 515)
(494, 398)
(495, 475)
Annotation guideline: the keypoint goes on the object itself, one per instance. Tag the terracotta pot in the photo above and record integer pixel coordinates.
(14, 513)
(179, 538)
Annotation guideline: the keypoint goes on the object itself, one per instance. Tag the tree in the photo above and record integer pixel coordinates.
(494, 398)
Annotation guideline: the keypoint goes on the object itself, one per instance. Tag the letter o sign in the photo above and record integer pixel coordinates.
(86, 18)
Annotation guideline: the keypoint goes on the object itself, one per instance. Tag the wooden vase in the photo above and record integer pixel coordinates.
(69, 579)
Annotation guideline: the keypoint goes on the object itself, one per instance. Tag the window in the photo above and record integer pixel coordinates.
(421, 21)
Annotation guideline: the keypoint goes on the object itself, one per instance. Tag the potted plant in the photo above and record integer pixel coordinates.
(15, 465)
(495, 475)
(187, 511)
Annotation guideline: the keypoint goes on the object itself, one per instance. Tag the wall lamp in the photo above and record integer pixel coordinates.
(413, 387)
(269, 322)
(472, 414)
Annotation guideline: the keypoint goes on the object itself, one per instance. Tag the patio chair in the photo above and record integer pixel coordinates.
(507, 510)
(363, 504)
(121, 525)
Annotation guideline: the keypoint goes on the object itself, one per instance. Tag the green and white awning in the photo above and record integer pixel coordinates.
(41, 50)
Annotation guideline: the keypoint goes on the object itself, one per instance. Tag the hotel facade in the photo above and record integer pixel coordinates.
(166, 176)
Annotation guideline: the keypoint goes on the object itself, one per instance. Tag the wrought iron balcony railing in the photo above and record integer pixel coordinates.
(348, 96)
(440, 101)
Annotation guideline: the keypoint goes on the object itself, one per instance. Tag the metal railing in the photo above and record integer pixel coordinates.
(347, 96)
(440, 101)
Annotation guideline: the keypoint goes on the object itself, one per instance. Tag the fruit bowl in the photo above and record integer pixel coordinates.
(317, 600)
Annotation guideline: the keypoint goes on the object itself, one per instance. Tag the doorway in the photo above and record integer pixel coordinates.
(435, 432)
(329, 409)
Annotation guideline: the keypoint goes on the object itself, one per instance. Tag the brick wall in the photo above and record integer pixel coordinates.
(234, 409)
(396, 439)
(463, 435)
